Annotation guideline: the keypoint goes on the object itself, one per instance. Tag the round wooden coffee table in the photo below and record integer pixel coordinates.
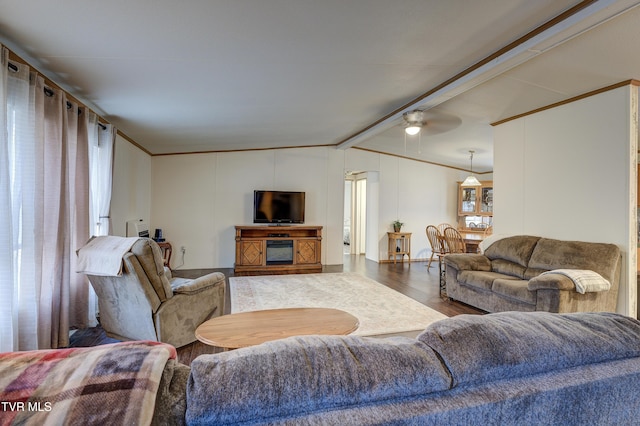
(252, 328)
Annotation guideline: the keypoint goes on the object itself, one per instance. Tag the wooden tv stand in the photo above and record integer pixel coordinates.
(288, 249)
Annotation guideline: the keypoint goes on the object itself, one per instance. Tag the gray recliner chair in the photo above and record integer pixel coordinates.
(146, 303)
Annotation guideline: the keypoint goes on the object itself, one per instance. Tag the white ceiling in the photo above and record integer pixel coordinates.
(210, 75)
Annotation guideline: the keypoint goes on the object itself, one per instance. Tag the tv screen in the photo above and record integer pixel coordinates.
(278, 207)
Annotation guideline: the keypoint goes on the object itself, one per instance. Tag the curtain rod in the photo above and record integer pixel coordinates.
(49, 92)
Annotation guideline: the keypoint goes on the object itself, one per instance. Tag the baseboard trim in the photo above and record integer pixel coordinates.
(405, 261)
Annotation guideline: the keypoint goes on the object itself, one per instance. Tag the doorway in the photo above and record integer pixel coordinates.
(355, 213)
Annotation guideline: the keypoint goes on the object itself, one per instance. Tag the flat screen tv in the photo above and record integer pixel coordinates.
(278, 207)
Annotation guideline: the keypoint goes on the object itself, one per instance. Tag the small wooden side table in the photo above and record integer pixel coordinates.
(399, 244)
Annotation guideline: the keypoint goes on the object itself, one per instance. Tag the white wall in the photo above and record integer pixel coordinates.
(373, 216)
(198, 198)
(131, 194)
(569, 173)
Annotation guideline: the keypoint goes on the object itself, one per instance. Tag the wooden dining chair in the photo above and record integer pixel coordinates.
(455, 242)
(441, 227)
(436, 240)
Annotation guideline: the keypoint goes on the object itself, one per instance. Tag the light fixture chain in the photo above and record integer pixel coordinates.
(405, 143)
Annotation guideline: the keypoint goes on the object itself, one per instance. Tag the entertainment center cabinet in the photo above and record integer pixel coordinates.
(262, 250)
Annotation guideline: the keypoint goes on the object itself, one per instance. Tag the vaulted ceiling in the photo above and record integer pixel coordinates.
(216, 75)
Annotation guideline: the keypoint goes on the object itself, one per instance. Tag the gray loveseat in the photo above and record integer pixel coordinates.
(508, 276)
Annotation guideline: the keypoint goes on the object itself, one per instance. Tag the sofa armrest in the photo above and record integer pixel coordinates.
(183, 286)
(171, 401)
(83, 386)
(468, 262)
(551, 282)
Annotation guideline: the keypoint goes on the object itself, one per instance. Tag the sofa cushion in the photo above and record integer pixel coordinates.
(467, 261)
(307, 373)
(552, 254)
(508, 268)
(513, 344)
(533, 272)
(481, 279)
(516, 249)
(515, 289)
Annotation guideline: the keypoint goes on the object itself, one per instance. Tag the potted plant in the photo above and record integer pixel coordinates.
(397, 225)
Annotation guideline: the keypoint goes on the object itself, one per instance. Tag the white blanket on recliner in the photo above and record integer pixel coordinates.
(103, 255)
(584, 279)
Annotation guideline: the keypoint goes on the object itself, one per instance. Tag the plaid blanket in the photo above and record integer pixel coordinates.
(586, 281)
(101, 385)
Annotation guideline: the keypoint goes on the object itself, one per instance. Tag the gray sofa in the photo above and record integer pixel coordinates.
(509, 368)
(509, 275)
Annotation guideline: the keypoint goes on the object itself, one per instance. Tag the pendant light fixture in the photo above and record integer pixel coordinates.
(471, 180)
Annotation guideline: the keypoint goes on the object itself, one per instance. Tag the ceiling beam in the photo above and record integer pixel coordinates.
(574, 21)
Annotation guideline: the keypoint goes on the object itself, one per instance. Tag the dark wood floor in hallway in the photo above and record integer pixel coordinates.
(414, 280)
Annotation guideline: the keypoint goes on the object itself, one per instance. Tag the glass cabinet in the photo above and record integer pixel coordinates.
(468, 197)
(486, 200)
(476, 200)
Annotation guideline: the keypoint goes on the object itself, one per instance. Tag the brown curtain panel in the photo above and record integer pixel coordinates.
(64, 294)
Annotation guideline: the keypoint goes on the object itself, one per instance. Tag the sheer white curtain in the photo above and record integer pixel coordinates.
(44, 212)
(101, 144)
(7, 319)
(22, 175)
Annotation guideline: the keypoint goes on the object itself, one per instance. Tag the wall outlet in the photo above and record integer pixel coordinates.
(183, 249)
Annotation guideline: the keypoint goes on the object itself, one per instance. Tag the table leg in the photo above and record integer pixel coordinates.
(443, 277)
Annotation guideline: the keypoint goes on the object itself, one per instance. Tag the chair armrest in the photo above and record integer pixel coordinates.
(468, 262)
(551, 282)
(183, 286)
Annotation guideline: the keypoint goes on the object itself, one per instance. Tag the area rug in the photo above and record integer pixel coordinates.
(379, 309)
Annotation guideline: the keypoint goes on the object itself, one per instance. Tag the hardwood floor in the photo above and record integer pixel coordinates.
(414, 280)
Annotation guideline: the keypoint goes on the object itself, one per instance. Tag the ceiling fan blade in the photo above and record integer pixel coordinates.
(440, 123)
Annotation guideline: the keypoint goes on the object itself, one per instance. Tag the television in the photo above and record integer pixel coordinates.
(278, 207)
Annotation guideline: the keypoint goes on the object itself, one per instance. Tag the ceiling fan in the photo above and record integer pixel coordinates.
(428, 122)
(417, 123)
